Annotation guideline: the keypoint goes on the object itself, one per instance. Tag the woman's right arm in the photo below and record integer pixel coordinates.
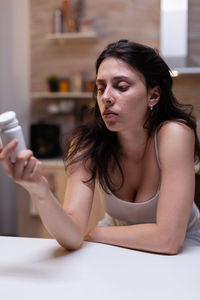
(66, 224)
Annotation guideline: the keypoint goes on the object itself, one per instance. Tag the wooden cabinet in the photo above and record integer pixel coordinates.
(29, 223)
(89, 36)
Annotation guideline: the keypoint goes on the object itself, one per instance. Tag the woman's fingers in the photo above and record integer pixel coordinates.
(37, 171)
(32, 170)
(5, 155)
(7, 150)
(22, 162)
(26, 168)
(26, 171)
(29, 167)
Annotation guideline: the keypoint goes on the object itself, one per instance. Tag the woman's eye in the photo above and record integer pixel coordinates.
(100, 89)
(123, 87)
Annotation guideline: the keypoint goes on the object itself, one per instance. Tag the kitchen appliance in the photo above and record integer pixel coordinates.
(45, 140)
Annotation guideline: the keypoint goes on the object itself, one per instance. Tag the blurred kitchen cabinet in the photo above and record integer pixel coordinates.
(29, 223)
(54, 172)
(87, 36)
(59, 95)
(49, 105)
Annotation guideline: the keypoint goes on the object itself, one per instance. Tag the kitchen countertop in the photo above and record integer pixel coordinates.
(32, 268)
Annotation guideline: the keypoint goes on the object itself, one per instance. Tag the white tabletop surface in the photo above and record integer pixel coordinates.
(41, 269)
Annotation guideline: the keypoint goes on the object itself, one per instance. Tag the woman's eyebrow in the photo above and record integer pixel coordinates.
(119, 77)
(100, 81)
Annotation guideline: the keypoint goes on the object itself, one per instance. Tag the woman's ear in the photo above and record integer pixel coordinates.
(153, 96)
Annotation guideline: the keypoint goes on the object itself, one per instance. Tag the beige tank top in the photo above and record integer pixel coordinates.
(120, 212)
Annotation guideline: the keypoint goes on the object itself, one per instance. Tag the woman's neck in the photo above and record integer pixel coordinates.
(133, 144)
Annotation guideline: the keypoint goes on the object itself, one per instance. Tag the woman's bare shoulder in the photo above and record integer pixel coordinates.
(175, 129)
(175, 143)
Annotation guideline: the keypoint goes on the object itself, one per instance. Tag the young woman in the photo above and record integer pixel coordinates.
(140, 146)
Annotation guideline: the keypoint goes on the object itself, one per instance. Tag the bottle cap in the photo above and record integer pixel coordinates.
(8, 120)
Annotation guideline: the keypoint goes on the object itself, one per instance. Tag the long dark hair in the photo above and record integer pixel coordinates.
(94, 142)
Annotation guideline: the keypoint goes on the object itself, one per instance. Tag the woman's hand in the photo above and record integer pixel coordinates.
(89, 236)
(26, 171)
(94, 234)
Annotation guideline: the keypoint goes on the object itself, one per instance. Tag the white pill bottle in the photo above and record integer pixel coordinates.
(10, 129)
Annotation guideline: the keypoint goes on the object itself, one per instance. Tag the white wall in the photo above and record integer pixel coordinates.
(174, 28)
(14, 90)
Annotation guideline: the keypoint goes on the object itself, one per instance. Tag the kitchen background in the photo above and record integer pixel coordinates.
(41, 51)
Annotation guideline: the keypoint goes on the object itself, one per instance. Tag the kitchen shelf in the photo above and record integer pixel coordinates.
(183, 65)
(73, 36)
(58, 95)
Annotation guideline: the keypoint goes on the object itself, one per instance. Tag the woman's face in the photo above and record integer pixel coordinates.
(122, 95)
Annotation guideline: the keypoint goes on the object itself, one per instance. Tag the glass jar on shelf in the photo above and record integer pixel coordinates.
(63, 84)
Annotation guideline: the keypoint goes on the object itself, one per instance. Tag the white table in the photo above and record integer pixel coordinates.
(41, 269)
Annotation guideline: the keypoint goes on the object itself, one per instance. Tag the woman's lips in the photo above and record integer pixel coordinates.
(108, 114)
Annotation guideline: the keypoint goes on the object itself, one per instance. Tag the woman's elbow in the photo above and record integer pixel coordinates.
(71, 246)
(172, 250)
(173, 245)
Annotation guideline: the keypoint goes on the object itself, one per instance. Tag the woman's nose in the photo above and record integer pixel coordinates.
(107, 96)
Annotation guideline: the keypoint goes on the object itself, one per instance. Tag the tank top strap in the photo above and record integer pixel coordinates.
(156, 146)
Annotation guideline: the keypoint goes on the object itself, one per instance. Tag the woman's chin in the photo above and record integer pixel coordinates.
(112, 127)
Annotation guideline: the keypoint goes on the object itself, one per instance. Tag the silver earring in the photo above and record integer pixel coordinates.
(151, 107)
